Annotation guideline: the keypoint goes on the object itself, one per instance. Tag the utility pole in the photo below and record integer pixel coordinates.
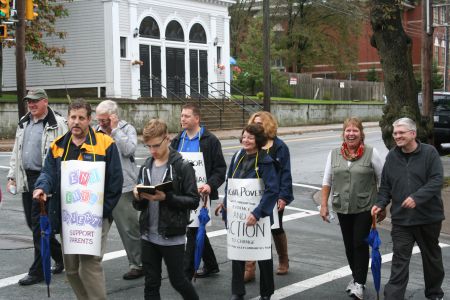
(20, 57)
(426, 61)
(447, 10)
(266, 57)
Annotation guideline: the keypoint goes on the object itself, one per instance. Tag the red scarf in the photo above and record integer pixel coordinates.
(349, 156)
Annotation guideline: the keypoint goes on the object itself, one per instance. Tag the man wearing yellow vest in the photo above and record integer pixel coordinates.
(82, 143)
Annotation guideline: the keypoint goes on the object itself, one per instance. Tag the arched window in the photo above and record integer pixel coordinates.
(174, 32)
(149, 28)
(197, 34)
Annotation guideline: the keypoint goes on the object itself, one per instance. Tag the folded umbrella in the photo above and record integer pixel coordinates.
(374, 241)
(45, 246)
(203, 219)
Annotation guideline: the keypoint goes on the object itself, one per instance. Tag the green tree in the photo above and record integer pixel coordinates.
(250, 80)
(42, 30)
(241, 15)
(372, 75)
(318, 32)
(394, 48)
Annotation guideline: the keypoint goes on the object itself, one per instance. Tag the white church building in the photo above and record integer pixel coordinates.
(137, 48)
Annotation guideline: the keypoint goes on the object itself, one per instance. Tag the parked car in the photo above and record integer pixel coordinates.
(441, 116)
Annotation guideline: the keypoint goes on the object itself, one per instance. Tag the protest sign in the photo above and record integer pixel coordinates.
(82, 192)
(246, 242)
(197, 161)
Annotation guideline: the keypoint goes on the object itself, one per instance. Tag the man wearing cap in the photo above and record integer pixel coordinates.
(35, 131)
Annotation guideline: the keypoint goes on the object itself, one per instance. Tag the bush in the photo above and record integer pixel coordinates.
(260, 95)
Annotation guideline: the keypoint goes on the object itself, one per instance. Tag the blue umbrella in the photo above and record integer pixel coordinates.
(374, 241)
(45, 246)
(233, 61)
(203, 219)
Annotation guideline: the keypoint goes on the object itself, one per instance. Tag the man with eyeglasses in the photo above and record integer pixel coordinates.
(164, 214)
(196, 143)
(412, 180)
(35, 131)
(125, 216)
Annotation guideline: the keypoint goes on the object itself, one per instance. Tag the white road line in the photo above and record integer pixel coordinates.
(313, 282)
(121, 253)
(307, 186)
(3, 167)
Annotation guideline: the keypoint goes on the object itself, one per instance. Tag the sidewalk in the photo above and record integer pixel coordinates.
(7, 144)
(236, 133)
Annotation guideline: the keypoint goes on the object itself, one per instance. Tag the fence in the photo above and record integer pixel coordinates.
(306, 87)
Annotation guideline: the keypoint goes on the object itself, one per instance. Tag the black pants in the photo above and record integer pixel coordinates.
(32, 212)
(279, 230)
(403, 239)
(355, 228)
(152, 255)
(209, 258)
(266, 283)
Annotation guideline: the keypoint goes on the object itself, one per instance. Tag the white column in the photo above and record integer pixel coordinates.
(187, 67)
(112, 48)
(134, 49)
(163, 66)
(226, 50)
(212, 50)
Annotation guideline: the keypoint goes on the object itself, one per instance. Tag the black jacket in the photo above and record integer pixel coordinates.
(215, 164)
(174, 212)
(421, 178)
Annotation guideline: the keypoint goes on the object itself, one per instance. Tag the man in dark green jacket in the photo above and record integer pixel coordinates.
(412, 177)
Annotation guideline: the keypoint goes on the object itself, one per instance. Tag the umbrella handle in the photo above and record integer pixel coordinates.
(42, 207)
(374, 221)
(204, 199)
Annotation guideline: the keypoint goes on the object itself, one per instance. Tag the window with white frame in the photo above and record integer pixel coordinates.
(123, 47)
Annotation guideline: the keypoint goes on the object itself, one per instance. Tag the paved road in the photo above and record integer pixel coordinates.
(318, 265)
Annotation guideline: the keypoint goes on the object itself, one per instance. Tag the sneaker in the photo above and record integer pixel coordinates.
(350, 286)
(357, 291)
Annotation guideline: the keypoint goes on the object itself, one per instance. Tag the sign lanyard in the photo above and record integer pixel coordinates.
(68, 146)
(184, 136)
(256, 165)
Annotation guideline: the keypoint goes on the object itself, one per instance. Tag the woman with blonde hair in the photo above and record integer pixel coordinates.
(353, 170)
(279, 152)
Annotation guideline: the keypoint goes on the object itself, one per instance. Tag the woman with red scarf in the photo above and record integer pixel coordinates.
(352, 175)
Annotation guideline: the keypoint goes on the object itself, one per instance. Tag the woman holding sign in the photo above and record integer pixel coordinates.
(353, 170)
(252, 190)
(279, 152)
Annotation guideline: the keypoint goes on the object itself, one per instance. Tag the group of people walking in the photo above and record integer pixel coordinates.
(161, 225)
(360, 186)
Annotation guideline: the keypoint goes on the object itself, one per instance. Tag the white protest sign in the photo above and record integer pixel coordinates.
(82, 193)
(196, 158)
(276, 220)
(246, 242)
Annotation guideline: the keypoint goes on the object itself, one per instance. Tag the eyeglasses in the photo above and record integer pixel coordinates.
(103, 121)
(155, 146)
(396, 133)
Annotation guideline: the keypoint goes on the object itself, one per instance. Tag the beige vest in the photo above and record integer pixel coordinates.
(354, 186)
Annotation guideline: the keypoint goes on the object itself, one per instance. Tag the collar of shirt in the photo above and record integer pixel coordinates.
(190, 145)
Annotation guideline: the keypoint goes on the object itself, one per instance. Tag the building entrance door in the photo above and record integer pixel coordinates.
(198, 73)
(150, 77)
(175, 73)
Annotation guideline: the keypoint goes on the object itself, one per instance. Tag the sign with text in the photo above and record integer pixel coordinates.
(197, 161)
(246, 242)
(82, 192)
